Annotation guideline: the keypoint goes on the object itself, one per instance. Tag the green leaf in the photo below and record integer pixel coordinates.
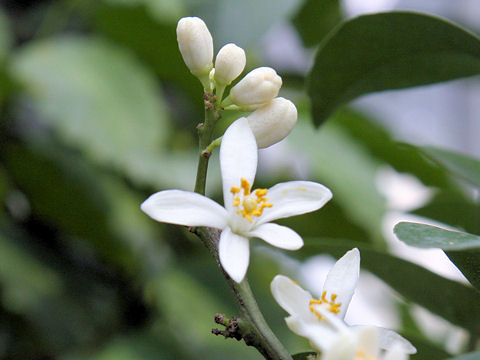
(426, 236)
(315, 19)
(454, 301)
(470, 356)
(386, 51)
(96, 96)
(462, 248)
(466, 167)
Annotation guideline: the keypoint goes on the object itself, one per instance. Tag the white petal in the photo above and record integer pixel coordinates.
(320, 336)
(396, 352)
(342, 279)
(294, 198)
(342, 347)
(291, 297)
(238, 157)
(234, 254)
(389, 338)
(185, 208)
(277, 235)
(368, 341)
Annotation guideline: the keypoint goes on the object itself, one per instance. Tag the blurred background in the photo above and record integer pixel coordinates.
(98, 111)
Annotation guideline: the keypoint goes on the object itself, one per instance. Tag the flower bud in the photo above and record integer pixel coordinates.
(196, 45)
(258, 87)
(229, 63)
(273, 121)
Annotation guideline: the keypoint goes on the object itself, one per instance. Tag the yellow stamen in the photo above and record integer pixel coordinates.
(333, 307)
(261, 192)
(249, 204)
(245, 186)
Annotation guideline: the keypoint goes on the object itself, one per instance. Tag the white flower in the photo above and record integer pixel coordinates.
(196, 45)
(318, 319)
(246, 213)
(258, 87)
(361, 344)
(273, 121)
(229, 63)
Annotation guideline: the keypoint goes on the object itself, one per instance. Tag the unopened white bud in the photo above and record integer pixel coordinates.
(196, 45)
(229, 63)
(273, 121)
(258, 87)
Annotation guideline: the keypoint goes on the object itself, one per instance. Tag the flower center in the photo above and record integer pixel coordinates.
(323, 301)
(249, 204)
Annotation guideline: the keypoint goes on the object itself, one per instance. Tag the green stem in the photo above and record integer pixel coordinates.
(205, 131)
(255, 329)
(215, 143)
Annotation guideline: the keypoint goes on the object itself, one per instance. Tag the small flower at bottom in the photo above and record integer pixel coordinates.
(361, 344)
(320, 320)
(246, 213)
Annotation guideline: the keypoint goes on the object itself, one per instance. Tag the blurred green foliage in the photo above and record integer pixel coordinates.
(98, 111)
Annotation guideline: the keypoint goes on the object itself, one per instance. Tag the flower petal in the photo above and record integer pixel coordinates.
(294, 198)
(234, 254)
(396, 352)
(277, 235)
(291, 297)
(320, 336)
(185, 208)
(389, 338)
(368, 341)
(238, 158)
(342, 347)
(342, 279)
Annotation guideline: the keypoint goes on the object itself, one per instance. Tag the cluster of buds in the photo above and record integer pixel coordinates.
(272, 118)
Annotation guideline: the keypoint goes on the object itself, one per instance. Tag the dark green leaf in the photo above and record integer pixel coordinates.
(464, 166)
(388, 51)
(462, 248)
(452, 300)
(315, 19)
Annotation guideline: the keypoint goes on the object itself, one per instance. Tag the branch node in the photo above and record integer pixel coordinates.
(231, 327)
